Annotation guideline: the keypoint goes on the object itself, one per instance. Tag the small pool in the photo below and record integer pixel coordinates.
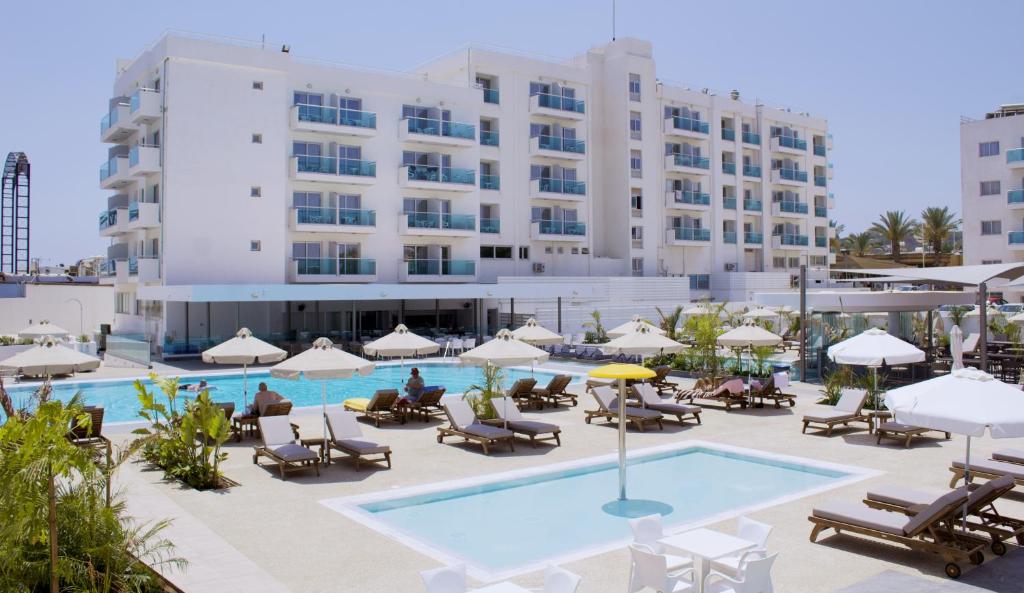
(119, 399)
(512, 523)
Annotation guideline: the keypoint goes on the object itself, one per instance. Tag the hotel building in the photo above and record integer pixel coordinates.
(252, 187)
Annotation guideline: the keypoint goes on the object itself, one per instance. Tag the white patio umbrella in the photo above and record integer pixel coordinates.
(956, 347)
(536, 334)
(503, 350)
(244, 349)
(321, 363)
(49, 358)
(631, 325)
(872, 348)
(748, 336)
(401, 343)
(43, 329)
(698, 310)
(763, 313)
(641, 342)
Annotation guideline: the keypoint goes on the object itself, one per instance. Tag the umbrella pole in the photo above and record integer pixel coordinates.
(622, 439)
(245, 386)
(323, 396)
(967, 477)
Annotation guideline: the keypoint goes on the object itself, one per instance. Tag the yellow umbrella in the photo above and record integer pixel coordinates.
(622, 372)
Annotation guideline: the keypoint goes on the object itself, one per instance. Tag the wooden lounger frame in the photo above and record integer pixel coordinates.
(357, 457)
(249, 423)
(990, 521)
(903, 435)
(828, 425)
(637, 421)
(429, 404)
(556, 396)
(485, 442)
(958, 474)
(660, 381)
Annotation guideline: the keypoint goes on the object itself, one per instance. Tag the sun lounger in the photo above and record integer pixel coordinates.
(928, 531)
(770, 391)
(648, 396)
(428, 404)
(510, 418)
(989, 470)
(463, 423)
(1009, 456)
(608, 408)
(848, 409)
(91, 437)
(970, 343)
(246, 423)
(730, 392)
(347, 437)
(901, 432)
(522, 392)
(660, 380)
(279, 446)
(382, 406)
(555, 392)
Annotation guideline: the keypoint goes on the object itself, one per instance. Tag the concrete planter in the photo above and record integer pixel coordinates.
(85, 347)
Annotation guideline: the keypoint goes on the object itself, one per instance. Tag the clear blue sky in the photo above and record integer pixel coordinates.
(892, 77)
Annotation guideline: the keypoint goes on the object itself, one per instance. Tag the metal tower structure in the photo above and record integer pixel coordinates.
(14, 214)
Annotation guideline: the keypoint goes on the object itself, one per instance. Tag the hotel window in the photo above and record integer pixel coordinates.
(257, 138)
(988, 148)
(638, 266)
(315, 99)
(122, 303)
(636, 202)
(255, 191)
(779, 263)
(818, 261)
(255, 245)
(307, 199)
(794, 262)
(985, 262)
(257, 85)
(991, 227)
(700, 281)
(990, 188)
(634, 125)
(495, 252)
(634, 87)
(524, 253)
(636, 233)
(635, 164)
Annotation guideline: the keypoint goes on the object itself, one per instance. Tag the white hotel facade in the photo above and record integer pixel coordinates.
(251, 187)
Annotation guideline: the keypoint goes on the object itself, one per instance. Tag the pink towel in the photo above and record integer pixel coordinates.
(734, 385)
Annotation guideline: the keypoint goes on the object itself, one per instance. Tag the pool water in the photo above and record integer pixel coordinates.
(121, 404)
(502, 526)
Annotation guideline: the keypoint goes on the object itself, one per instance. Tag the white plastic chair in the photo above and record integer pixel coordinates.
(647, 530)
(558, 580)
(752, 531)
(447, 579)
(469, 343)
(651, 570)
(756, 577)
(455, 345)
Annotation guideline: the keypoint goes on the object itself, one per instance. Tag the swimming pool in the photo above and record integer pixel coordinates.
(120, 401)
(516, 522)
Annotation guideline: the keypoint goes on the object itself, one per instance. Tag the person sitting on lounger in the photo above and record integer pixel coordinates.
(263, 398)
(413, 387)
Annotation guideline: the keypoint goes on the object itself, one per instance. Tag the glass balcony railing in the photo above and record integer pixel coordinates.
(560, 103)
(752, 205)
(339, 117)
(133, 211)
(437, 127)
(488, 137)
(441, 174)
(111, 118)
(729, 134)
(133, 266)
(490, 96)
(792, 174)
(135, 101)
(797, 240)
(691, 234)
(1015, 155)
(108, 267)
(692, 197)
(819, 150)
(753, 238)
(792, 207)
(751, 138)
(820, 181)
(791, 142)
(821, 211)
(439, 221)
(562, 227)
(441, 267)
(108, 169)
(1015, 196)
(562, 144)
(333, 266)
(563, 186)
(729, 168)
(1016, 237)
(729, 236)
(820, 241)
(490, 182)
(490, 225)
(343, 216)
(752, 170)
(134, 154)
(729, 202)
(690, 124)
(108, 219)
(334, 166)
(690, 160)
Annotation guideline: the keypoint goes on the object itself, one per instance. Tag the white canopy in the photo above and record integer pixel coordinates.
(49, 358)
(631, 326)
(748, 335)
(873, 348)
(43, 329)
(536, 334)
(699, 310)
(966, 401)
(504, 350)
(243, 349)
(401, 342)
(642, 342)
(963, 275)
(761, 313)
(322, 361)
(956, 347)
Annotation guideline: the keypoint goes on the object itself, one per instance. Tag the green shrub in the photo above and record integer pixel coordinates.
(834, 384)
(83, 339)
(479, 396)
(6, 340)
(25, 341)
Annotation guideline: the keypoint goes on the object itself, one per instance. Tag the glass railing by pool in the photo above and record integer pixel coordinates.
(331, 266)
(690, 160)
(563, 186)
(690, 124)
(441, 174)
(692, 234)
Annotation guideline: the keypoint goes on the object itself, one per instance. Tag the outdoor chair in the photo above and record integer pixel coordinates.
(770, 391)
(522, 392)
(463, 423)
(447, 579)
(649, 398)
(247, 422)
(558, 580)
(382, 406)
(347, 437)
(647, 531)
(608, 408)
(660, 380)
(509, 417)
(279, 446)
(753, 576)
(555, 392)
(428, 404)
(1009, 456)
(891, 429)
(752, 531)
(848, 409)
(650, 570)
(91, 437)
(990, 470)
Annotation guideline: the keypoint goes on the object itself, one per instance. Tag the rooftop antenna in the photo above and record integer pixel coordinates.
(613, 20)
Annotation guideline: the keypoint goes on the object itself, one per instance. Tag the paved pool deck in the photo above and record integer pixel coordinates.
(277, 536)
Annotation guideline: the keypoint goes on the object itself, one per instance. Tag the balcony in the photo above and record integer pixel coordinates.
(1015, 198)
(556, 106)
(820, 181)
(687, 200)
(490, 225)
(1015, 240)
(332, 120)
(752, 205)
(331, 169)
(143, 160)
(751, 138)
(334, 220)
(789, 208)
(1015, 157)
(821, 241)
(556, 147)
(831, 201)
(729, 168)
(752, 171)
(143, 215)
(488, 138)
(558, 230)
(558, 189)
(688, 236)
(144, 106)
(492, 182)
(753, 238)
(729, 134)
(113, 221)
(437, 270)
(333, 270)
(729, 237)
(436, 178)
(491, 96)
(688, 163)
(139, 269)
(114, 172)
(819, 150)
(821, 211)
(687, 127)
(729, 202)
(107, 269)
(436, 224)
(789, 176)
(789, 240)
(434, 131)
(116, 125)
(788, 144)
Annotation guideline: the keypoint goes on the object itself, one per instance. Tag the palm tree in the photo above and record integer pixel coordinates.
(894, 227)
(837, 241)
(859, 243)
(937, 224)
(670, 321)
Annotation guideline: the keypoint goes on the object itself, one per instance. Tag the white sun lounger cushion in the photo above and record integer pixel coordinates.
(995, 467)
(1009, 455)
(292, 452)
(858, 514)
(343, 425)
(275, 430)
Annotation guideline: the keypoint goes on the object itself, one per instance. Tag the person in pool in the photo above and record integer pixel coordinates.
(263, 398)
(414, 386)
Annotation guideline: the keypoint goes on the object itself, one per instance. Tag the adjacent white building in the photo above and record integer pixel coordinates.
(252, 187)
(992, 188)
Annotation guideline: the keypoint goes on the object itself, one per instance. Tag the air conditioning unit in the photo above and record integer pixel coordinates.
(538, 268)
(730, 267)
